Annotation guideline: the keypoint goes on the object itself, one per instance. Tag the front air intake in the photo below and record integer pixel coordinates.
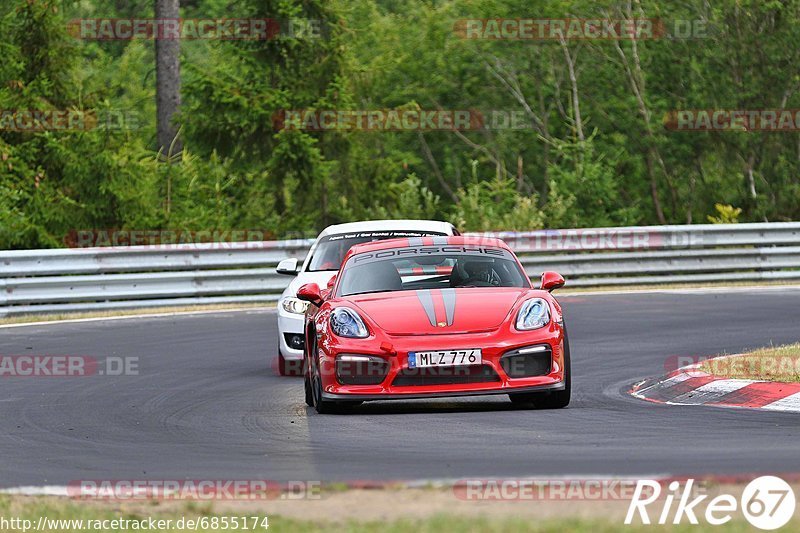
(528, 362)
(450, 375)
(361, 369)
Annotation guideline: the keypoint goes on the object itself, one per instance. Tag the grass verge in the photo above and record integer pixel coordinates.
(776, 363)
(64, 515)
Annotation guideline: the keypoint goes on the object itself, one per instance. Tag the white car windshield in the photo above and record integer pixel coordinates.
(331, 249)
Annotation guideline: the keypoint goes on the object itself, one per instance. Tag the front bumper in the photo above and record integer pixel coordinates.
(443, 394)
(290, 325)
(492, 376)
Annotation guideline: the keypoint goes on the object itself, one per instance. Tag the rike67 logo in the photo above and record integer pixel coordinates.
(767, 503)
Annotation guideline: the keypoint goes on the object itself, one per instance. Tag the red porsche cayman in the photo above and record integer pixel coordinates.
(432, 317)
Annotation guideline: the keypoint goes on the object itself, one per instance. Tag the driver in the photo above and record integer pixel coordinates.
(474, 273)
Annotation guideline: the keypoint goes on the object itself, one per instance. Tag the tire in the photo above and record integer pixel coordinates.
(309, 394)
(321, 405)
(554, 399)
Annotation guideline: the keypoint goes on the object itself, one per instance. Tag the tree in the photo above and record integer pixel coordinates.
(168, 82)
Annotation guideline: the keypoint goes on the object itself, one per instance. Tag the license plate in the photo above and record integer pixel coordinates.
(444, 358)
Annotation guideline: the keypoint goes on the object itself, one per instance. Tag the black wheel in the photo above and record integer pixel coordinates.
(554, 399)
(559, 399)
(307, 379)
(309, 394)
(321, 405)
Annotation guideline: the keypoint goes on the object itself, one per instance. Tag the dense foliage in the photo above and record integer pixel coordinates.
(593, 150)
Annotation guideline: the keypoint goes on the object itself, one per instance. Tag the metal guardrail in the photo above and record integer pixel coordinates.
(67, 280)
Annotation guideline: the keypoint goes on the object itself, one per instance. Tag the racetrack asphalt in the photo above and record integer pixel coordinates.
(207, 404)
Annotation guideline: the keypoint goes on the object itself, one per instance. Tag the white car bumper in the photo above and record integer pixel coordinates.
(290, 334)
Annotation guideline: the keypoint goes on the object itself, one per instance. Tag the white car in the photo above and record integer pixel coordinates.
(320, 265)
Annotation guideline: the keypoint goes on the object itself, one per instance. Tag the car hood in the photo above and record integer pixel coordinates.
(439, 311)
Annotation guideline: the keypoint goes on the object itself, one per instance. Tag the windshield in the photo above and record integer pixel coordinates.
(431, 268)
(331, 249)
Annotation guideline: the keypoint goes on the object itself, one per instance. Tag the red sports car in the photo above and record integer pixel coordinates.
(432, 317)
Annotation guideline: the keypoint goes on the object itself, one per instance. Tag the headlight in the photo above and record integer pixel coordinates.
(346, 323)
(535, 314)
(294, 305)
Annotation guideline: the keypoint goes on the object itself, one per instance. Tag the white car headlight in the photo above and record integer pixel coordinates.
(346, 323)
(534, 314)
(294, 306)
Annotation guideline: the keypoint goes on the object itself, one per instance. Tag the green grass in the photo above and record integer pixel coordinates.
(31, 508)
(777, 363)
(448, 523)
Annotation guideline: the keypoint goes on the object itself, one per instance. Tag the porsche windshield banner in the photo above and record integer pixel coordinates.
(427, 251)
(375, 235)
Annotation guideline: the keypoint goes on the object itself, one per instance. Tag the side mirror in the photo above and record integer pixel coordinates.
(332, 282)
(551, 281)
(310, 293)
(287, 267)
